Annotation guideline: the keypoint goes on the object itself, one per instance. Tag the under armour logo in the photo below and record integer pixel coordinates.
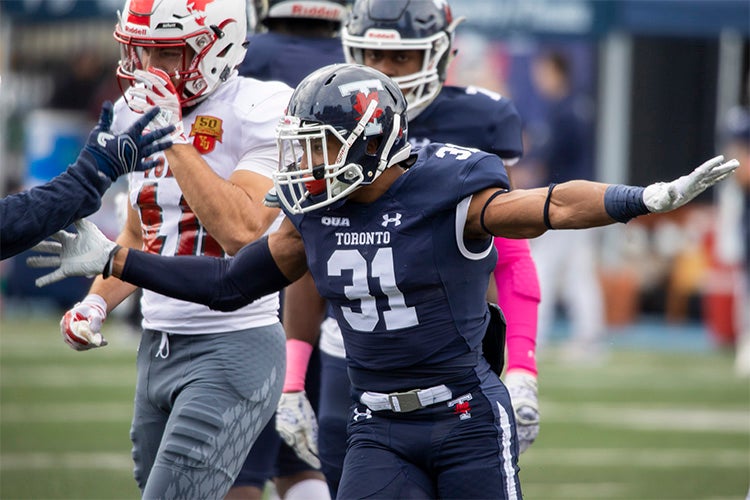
(359, 415)
(387, 220)
(103, 137)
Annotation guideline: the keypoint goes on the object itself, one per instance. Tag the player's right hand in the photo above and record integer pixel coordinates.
(298, 427)
(84, 254)
(80, 325)
(155, 88)
(666, 196)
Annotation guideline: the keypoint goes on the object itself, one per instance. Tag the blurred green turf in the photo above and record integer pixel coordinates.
(644, 425)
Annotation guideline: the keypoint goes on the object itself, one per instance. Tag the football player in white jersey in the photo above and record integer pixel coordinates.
(207, 381)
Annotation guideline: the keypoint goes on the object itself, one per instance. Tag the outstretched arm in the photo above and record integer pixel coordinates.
(583, 204)
(262, 267)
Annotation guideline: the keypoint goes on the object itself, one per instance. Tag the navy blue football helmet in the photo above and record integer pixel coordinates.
(322, 10)
(356, 107)
(426, 25)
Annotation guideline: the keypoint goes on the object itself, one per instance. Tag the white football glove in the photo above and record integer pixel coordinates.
(82, 254)
(80, 326)
(522, 388)
(155, 88)
(666, 196)
(297, 425)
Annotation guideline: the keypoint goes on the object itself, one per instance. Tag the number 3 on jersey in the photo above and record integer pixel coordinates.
(398, 315)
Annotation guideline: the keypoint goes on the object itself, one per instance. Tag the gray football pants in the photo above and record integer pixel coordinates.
(200, 403)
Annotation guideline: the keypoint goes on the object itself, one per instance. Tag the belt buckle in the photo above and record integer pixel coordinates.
(404, 402)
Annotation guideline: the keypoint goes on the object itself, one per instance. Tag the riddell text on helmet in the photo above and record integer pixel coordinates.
(135, 30)
(316, 12)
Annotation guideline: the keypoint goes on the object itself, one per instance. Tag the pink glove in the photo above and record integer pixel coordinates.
(80, 326)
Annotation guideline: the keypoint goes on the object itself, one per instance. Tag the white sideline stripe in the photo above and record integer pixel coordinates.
(67, 376)
(641, 457)
(44, 461)
(48, 340)
(33, 347)
(724, 421)
(62, 412)
(664, 419)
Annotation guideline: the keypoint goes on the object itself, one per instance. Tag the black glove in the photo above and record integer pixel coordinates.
(125, 153)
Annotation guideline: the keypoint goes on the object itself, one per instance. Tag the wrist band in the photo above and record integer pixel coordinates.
(297, 358)
(107, 272)
(622, 203)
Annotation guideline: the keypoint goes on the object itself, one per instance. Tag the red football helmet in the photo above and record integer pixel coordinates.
(211, 34)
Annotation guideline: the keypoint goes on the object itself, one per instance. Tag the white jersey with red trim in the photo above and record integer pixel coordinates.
(234, 129)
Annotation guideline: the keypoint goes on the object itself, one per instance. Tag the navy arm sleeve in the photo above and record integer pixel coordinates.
(221, 284)
(29, 217)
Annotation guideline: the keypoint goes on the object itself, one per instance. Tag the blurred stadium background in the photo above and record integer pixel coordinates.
(663, 418)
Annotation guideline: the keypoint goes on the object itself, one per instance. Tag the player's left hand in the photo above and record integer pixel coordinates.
(83, 254)
(297, 425)
(666, 196)
(116, 155)
(155, 88)
(522, 388)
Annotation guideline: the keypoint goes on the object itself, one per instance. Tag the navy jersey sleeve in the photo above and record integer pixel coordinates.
(506, 126)
(29, 217)
(470, 117)
(221, 284)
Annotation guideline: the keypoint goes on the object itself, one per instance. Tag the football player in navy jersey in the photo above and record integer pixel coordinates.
(389, 36)
(295, 38)
(400, 245)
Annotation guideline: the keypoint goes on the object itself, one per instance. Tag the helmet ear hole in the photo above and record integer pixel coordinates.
(373, 144)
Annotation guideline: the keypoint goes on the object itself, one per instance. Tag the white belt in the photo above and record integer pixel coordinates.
(403, 402)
